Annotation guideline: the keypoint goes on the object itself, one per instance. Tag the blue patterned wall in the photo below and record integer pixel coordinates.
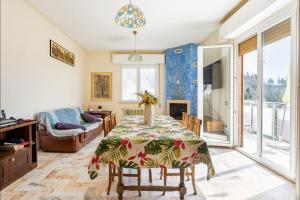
(181, 73)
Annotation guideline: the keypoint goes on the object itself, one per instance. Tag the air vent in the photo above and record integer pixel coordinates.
(178, 50)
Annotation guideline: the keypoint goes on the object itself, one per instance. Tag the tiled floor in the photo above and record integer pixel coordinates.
(64, 176)
(275, 151)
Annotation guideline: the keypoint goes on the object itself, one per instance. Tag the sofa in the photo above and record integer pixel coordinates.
(66, 141)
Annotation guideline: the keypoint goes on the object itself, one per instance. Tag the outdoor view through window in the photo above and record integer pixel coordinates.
(275, 112)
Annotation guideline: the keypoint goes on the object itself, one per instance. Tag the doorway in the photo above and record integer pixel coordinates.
(215, 93)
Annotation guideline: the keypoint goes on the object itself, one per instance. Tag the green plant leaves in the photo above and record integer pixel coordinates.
(203, 149)
(116, 150)
(128, 164)
(153, 147)
(179, 164)
(93, 174)
(102, 148)
(169, 151)
(151, 163)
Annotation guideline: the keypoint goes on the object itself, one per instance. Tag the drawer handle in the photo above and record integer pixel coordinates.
(13, 160)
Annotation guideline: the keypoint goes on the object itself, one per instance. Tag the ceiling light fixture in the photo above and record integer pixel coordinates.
(130, 16)
(135, 57)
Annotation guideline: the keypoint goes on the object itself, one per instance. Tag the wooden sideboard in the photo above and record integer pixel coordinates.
(15, 164)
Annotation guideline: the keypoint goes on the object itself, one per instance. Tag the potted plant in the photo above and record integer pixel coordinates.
(149, 101)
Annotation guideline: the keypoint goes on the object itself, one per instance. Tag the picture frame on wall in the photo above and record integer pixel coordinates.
(101, 83)
(62, 54)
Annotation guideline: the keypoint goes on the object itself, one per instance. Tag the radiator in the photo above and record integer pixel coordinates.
(132, 111)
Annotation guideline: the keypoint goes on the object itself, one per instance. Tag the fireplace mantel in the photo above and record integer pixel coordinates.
(185, 102)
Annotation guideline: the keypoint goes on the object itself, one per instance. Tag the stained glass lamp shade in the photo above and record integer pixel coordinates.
(130, 16)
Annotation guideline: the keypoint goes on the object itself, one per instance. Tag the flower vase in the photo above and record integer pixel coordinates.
(149, 114)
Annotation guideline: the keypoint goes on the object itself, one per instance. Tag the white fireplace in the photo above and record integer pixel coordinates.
(176, 107)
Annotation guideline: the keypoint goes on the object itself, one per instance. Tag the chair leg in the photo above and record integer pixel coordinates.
(139, 181)
(193, 180)
(187, 175)
(150, 175)
(165, 173)
(161, 173)
(110, 175)
(113, 173)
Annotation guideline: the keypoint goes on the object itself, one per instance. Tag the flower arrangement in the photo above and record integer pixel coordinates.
(147, 98)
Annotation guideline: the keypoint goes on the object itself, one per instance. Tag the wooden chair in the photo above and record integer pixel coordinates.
(112, 169)
(113, 121)
(112, 173)
(185, 119)
(194, 124)
(106, 125)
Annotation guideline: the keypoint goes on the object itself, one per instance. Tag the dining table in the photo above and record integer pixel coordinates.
(164, 144)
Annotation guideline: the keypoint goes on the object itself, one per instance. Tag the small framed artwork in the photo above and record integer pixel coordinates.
(101, 86)
(62, 54)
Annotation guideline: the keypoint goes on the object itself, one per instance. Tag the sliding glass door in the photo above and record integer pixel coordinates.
(276, 90)
(266, 114)
(215, 93)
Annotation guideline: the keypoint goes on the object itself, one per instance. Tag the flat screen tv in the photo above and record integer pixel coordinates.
(212, 75)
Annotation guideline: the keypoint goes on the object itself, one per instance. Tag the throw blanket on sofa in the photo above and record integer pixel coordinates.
(66, 115)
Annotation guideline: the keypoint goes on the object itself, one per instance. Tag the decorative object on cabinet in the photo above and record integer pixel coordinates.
(62, 54)
(101, 86)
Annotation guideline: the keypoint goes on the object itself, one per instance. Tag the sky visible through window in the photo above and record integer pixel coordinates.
(277, 60)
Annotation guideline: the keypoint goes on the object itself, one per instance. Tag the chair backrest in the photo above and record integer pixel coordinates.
(106, 125)
(113, 121)
(185, 119)
(196, 125)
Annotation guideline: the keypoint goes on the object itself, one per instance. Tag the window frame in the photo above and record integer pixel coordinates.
(138, 67)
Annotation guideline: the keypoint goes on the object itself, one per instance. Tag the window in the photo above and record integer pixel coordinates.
(137, 78)
(276, 77)
(266, 120)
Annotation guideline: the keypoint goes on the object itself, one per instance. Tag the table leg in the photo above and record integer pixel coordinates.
(193, 180)
(120, 187)
(139, 181)
(109, 178)
(182, 189)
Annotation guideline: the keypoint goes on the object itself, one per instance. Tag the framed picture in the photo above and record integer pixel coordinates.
(101, 86)
(62, 54)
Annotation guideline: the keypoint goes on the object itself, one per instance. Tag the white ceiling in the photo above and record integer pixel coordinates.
(169, 23)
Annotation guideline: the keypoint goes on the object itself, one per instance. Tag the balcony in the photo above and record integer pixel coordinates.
(276, 131)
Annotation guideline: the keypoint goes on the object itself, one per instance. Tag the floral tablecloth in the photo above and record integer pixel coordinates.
(132, 144)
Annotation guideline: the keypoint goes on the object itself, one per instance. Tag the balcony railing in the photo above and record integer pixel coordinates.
(276, 120)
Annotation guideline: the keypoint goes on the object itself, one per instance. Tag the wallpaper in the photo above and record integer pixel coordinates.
(181, 64)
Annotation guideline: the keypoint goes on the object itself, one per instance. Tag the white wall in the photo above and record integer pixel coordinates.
(297, 187)
(102, 62)
(31, 80)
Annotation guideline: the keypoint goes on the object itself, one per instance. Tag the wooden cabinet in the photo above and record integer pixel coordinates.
(6, 171)
(13, 165)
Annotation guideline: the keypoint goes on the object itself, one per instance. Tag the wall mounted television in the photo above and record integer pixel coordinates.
(212, 75)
